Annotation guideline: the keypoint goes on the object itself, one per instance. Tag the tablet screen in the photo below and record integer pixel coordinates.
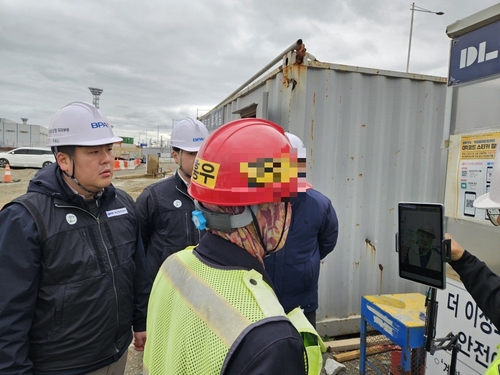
(420, 238)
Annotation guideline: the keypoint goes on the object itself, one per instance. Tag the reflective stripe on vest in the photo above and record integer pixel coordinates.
(202, 299)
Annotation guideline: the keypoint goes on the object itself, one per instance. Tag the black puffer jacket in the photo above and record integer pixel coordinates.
(165, 209)
(73, 284)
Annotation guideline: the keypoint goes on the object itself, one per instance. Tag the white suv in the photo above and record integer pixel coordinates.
(34, 157)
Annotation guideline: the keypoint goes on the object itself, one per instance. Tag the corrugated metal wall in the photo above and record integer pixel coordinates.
(374, 139)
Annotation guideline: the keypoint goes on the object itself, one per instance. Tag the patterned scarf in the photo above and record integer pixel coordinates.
(273, 225)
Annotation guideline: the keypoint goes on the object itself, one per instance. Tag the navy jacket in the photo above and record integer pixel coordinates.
(72, 278)
(294, 270)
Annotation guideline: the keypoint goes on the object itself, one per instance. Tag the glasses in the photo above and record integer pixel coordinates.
(494, 216)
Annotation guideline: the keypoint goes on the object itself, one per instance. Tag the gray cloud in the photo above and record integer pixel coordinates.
(158, 61)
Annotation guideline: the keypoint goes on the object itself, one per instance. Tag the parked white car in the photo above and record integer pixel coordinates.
(31, 157)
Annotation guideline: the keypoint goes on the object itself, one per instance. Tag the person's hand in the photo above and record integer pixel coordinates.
(139, 341)
(456, 250)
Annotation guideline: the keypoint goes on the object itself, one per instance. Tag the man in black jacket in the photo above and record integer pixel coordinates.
(72, 265)
(165, 207)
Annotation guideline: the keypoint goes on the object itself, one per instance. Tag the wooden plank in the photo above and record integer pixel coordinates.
(355, 343)
(355, 354)
(343, 345)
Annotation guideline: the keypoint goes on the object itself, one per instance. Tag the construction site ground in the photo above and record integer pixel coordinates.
(133, 181)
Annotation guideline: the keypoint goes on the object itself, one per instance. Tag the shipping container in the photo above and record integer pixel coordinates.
(374, 138)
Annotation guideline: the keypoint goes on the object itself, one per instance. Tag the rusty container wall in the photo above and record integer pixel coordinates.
(374, 138)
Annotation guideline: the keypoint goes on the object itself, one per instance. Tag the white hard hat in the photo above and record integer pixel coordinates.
(80, 124)
(492, 198)
(297, 143)
(189, 134)
(427, 228)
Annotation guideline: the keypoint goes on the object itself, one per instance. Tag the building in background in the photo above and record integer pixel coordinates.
(14, 134)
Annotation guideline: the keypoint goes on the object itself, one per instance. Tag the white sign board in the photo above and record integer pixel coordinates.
(478, 337)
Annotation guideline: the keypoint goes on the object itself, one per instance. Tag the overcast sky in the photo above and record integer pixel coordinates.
(161, 60)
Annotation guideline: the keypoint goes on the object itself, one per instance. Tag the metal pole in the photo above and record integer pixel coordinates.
(409, 42)
(294, 46)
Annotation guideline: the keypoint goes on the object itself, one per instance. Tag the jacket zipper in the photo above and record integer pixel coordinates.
(187, 216)
(109, 261)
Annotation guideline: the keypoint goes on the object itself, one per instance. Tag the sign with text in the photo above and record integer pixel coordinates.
(478, 337)
(477, 154)
(475, 55)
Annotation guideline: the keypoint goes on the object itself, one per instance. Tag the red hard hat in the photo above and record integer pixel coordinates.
(245, 162)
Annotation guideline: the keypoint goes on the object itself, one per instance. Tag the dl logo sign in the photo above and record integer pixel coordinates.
(474, 55)
(468, 56)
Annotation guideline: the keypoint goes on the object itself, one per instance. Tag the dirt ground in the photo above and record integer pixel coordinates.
(133, 182)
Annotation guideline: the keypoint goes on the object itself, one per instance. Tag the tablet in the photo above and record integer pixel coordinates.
(420, 243)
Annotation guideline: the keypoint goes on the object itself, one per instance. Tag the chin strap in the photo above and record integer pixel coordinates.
(180, 164)
(72, 177)
(224, 222)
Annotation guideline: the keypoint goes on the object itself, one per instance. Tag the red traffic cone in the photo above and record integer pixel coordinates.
(7, 177)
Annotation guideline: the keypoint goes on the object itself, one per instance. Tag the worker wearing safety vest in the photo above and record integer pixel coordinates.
(482, 283)
(212, 309)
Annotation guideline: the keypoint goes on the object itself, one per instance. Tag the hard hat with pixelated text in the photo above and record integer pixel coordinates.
(80, 124)
(245, 162)
(188, 134)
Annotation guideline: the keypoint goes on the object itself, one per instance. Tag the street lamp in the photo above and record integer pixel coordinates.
(416, 8)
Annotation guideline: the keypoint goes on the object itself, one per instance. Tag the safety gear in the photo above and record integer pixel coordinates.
(492, 198)
(428, 229)
(220, 221)
(297, 143)
(494, 368)
(188, 134)
(493, 215)
(241, 299)
(245, 162)
(80, 124)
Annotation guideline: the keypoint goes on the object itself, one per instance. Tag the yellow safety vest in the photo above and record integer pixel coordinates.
(213, 310)
(494, 368)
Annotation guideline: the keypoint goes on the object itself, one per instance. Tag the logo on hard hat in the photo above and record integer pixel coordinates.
(198, 139)
(97, 125)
